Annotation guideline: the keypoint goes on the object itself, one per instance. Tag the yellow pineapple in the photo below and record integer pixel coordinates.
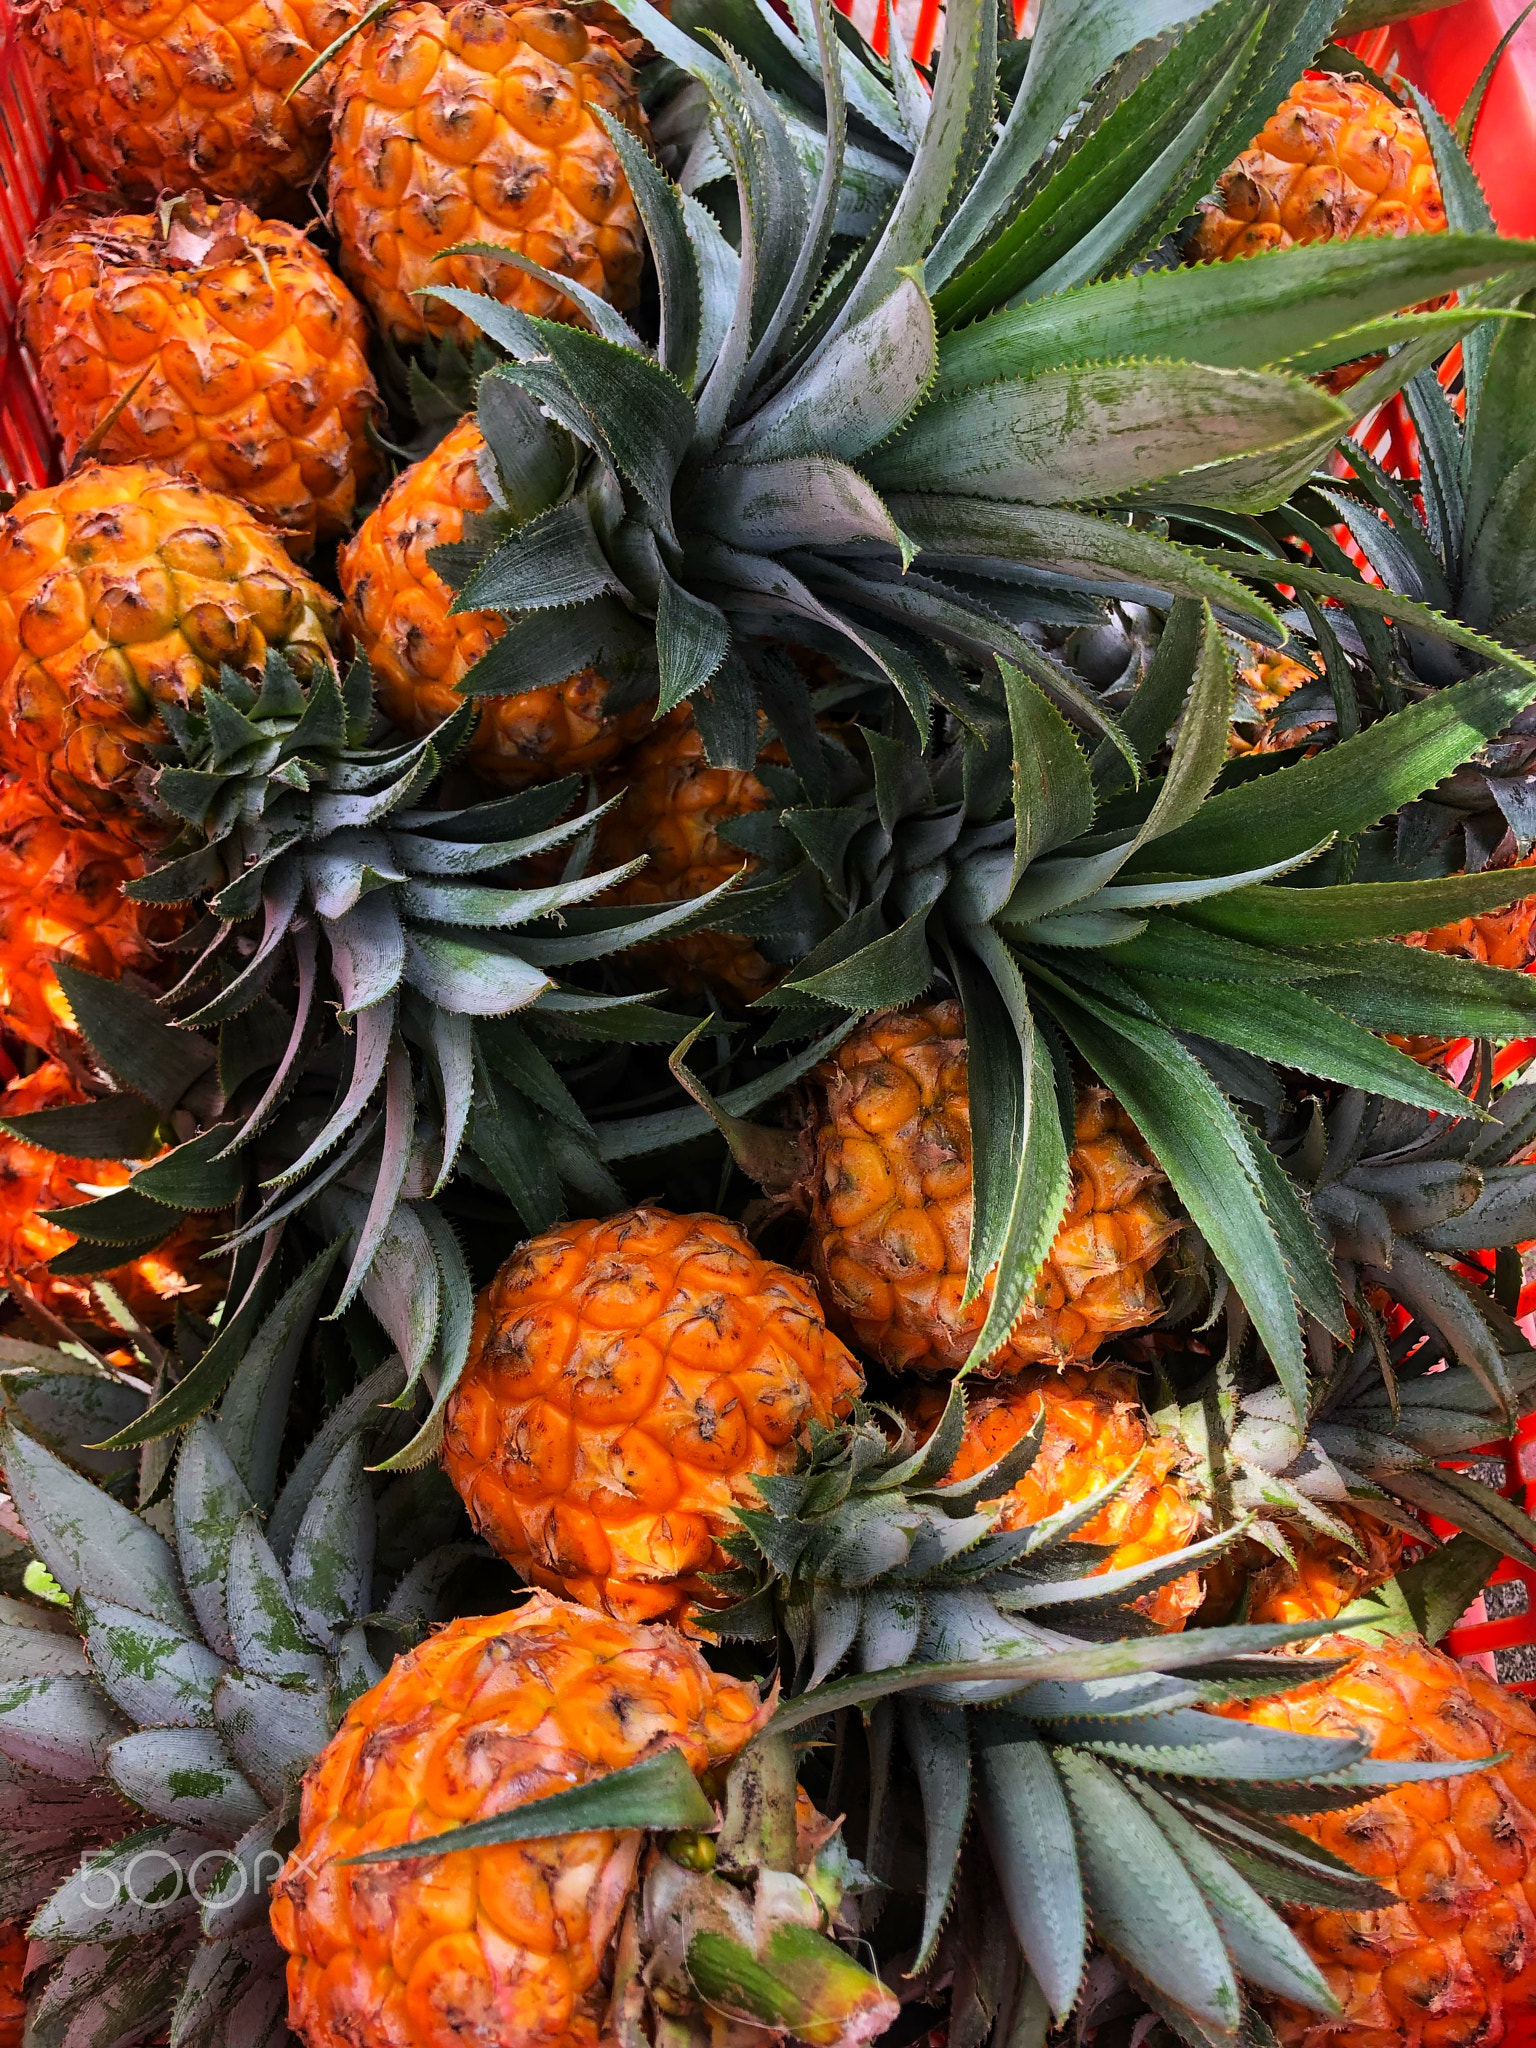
(1337, 159)
(673, 804)
(61, 899)
(397, 607)
(476, 123)
(122, 589)
(1095, 1430)
(627, 1379)
(1453, 1962)
(501, 1944)
(153, 1285)
(179, 95)
(889, 1193)
(223, 344)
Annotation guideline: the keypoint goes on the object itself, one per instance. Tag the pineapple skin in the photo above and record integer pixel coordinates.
(673, 804)
(1095, 1429)
(1336, 159)
(122, 589)
(1327, 1576)
(61, 898)
(627, 1380)
(475, 123)
(236, 355)
(153, 1286)
(397, 608)
(890, 1208)
(1264, 686)
(179, 95)
(496, 1944)
(1454, 1961)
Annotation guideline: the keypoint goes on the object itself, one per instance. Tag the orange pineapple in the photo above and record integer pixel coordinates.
(1258, 725)
(890, 1208)
(397, 606)
(61, 898)
(152, 1285)
(171, 95)
(123, 589)
(476, 123)
(1095, 1429)
(235, 355)
(1454, 1962)
(673, 807)
(505, 1944)
(627, 1379)
(1327, 1576)
(13, 1964)
(1337, 159)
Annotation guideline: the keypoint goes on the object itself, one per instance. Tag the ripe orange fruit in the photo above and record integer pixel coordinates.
(61, 898)
(505, 1944)
(122, 589)
(1454, 1962)
(177, 95)
(890, 1207)
(475, 123)
(152, 1285)
(229, 350)
(672, 809)
(627, 1381)
(397, 606)
(1095, 1429)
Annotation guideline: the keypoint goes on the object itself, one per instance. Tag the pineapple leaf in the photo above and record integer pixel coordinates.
(1193, 1133)
(128, 1033)
(1145, 1905)
(269, 1638)
(1262, 1947)
(156, 1674)
(1028, 1828)
(1063, 434)
(1253, 314)
(184, 1775)
(939, 1746)
(1440, 1587)
(1350, 786)
(331, 1563)
(855, 392)
(658, 1792)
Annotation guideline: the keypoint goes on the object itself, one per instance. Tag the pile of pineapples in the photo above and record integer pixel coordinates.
(763, 983)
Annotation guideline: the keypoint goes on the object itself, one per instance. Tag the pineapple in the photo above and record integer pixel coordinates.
(397, 608)
(1095, 1433)
(1452, 1959)
(61, 898)
(1259, 725)
(1327, 1575)
(182, 97)
(672, 805)
(627, 1381)
(507, 1942)
(889, 1194)
(122, 591)
(478, 123)
(211, 341)
(1337, 159)
(153, 1285)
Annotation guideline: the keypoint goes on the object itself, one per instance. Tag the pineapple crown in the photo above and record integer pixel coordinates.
(217, 1636)
(1166, 937)
(372, 1007)
(888, 456)
(1007, 1682)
